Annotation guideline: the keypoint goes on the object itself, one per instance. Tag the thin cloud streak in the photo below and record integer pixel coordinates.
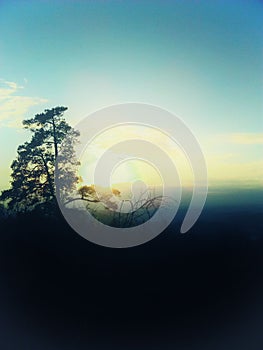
(13, 107)
(241, 138)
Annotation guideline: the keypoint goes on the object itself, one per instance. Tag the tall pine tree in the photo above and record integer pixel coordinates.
(34, 168)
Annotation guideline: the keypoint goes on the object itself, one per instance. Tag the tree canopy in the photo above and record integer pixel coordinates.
(34, 168)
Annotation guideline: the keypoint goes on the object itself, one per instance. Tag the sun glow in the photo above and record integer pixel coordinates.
(133, 170)
(223, 167)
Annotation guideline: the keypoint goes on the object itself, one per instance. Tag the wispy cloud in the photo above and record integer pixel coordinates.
(13, 106)
(242, 138)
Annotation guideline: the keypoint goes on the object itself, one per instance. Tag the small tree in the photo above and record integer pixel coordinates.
(86, 191)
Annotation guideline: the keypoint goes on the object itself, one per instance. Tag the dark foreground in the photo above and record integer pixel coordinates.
(201, 290)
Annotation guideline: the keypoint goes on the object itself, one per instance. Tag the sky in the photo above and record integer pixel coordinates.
(201, 60)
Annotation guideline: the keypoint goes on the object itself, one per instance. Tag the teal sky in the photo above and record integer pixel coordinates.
(201, 60)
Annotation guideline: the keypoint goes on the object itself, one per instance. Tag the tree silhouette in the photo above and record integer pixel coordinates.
(87, 191)
(34, 186)
(34, 168)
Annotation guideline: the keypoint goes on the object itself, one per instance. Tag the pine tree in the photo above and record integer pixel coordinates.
(34, 168)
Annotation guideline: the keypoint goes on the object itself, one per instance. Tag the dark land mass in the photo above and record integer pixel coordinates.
(199, 290)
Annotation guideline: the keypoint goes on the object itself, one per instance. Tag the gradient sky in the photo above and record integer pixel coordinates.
(202, 60)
